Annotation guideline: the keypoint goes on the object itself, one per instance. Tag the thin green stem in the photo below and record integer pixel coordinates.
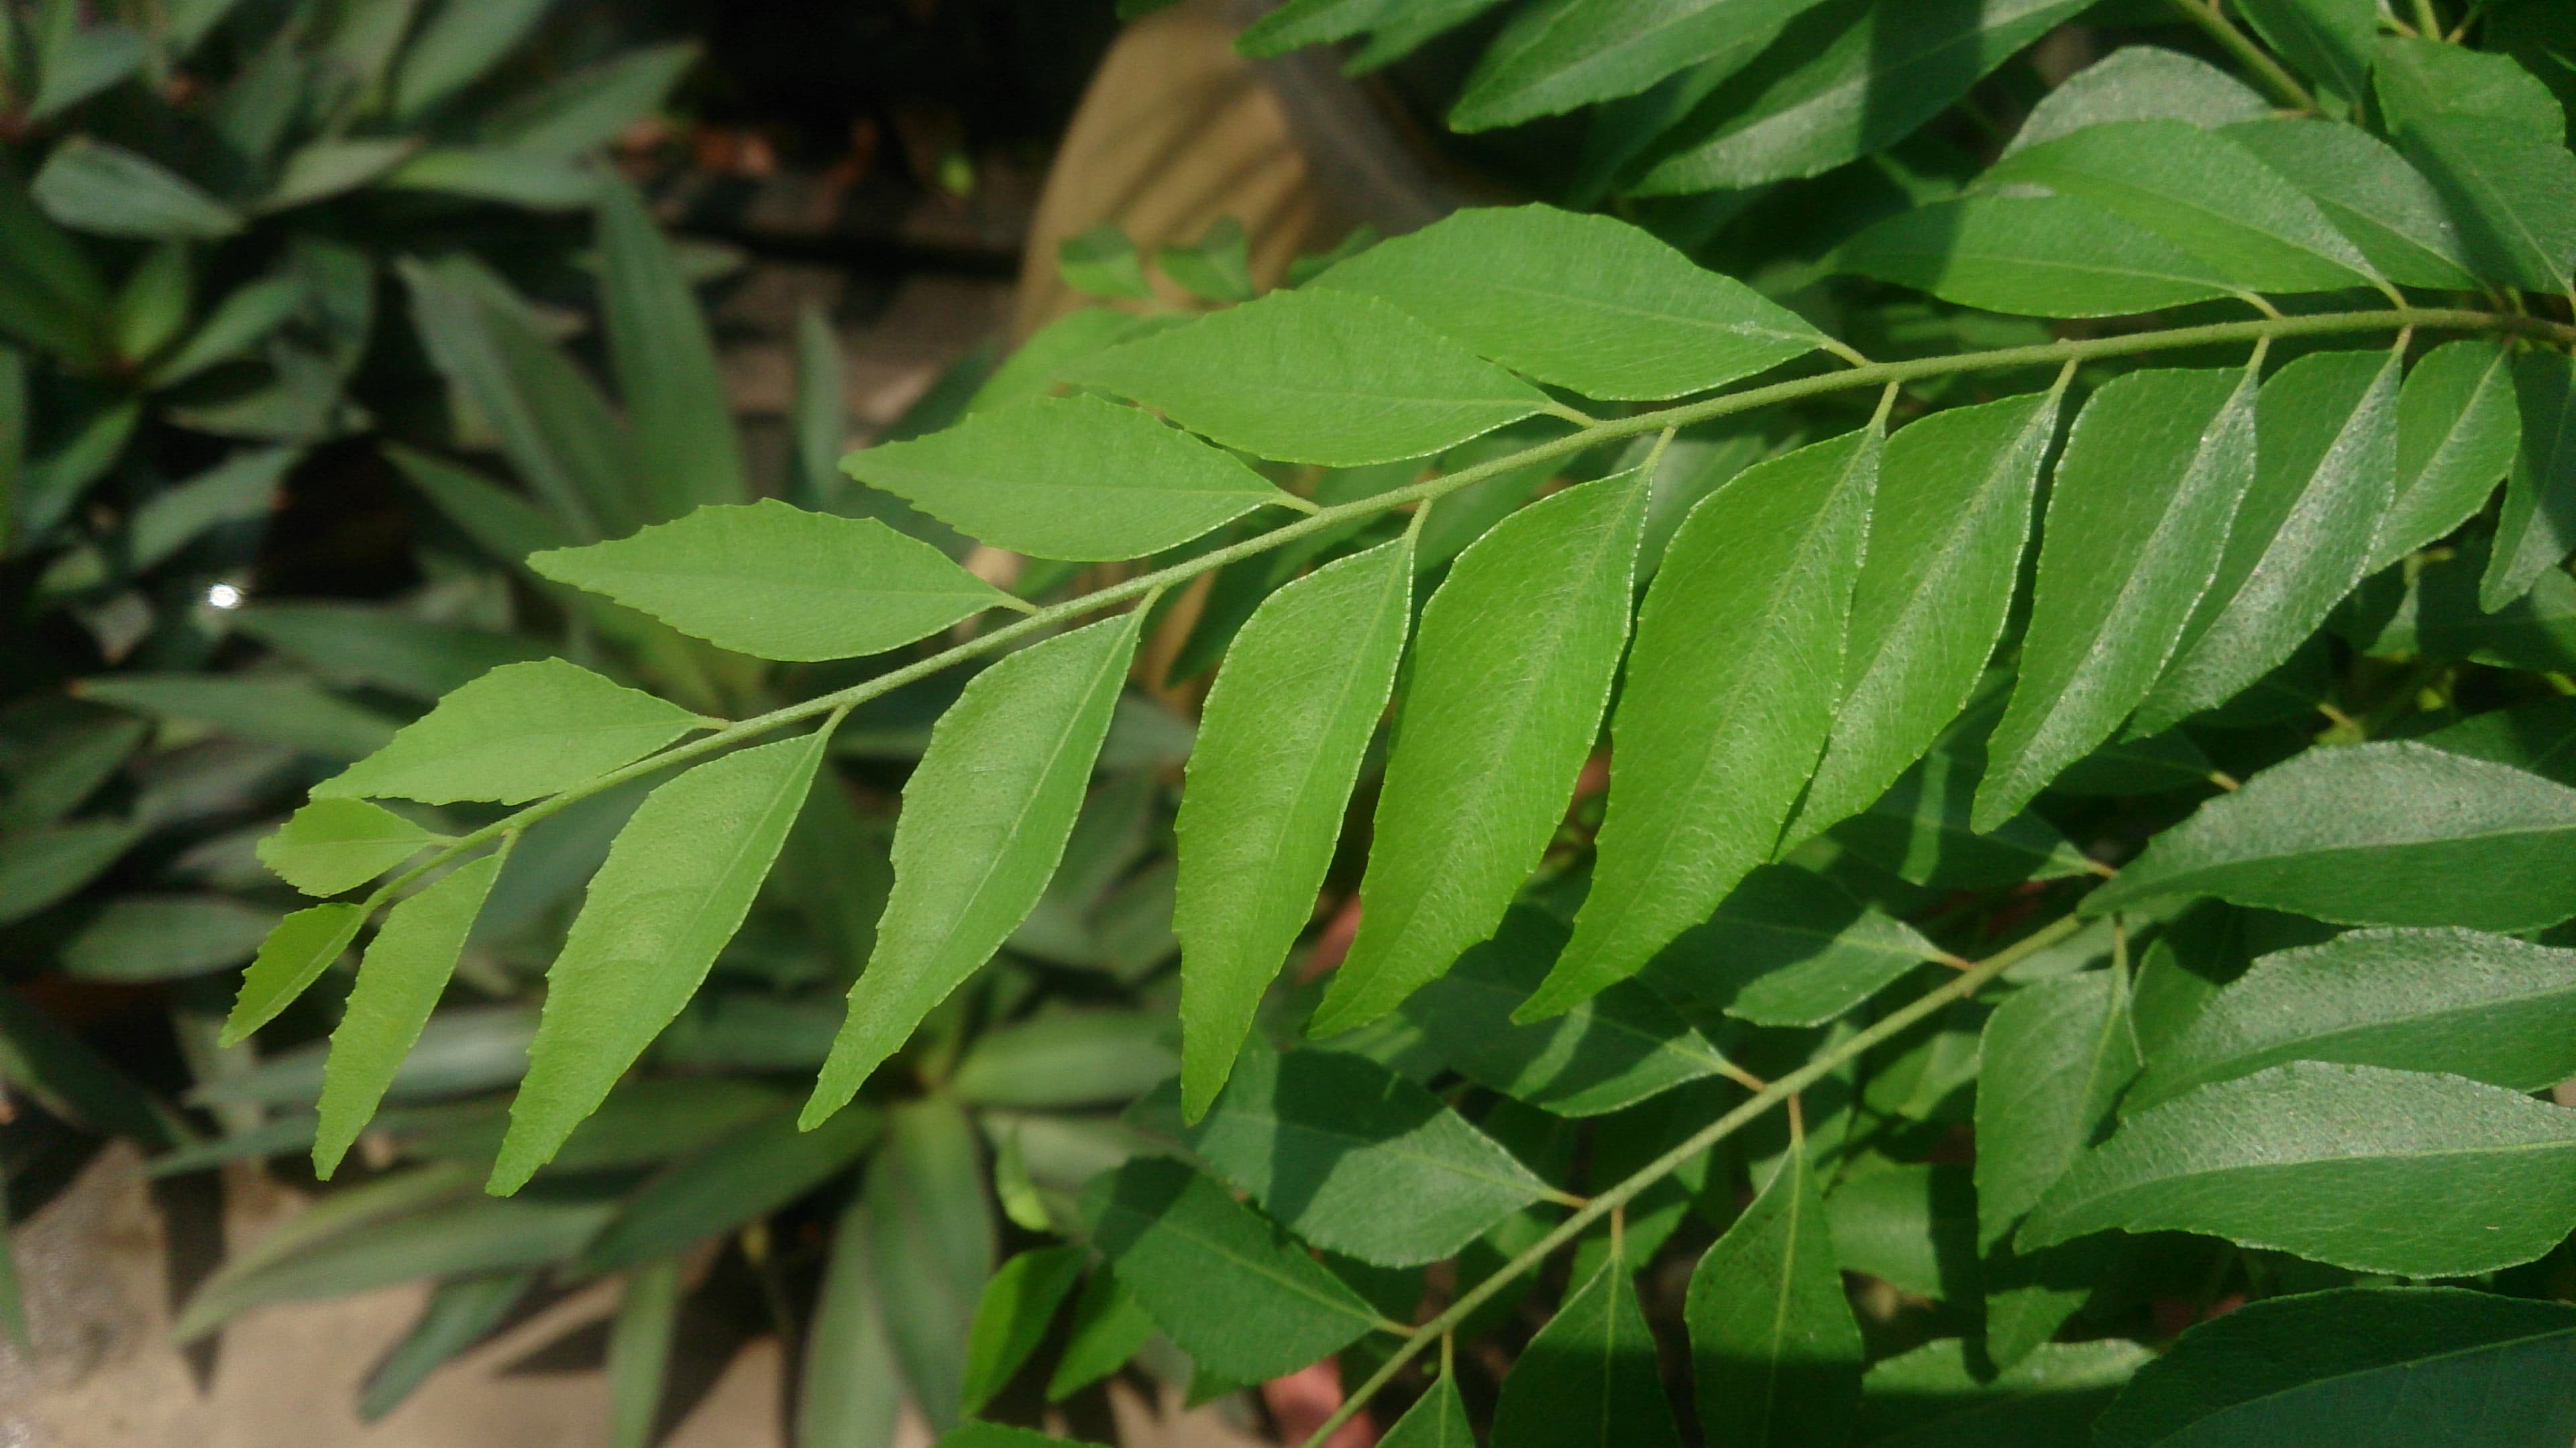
(1824, 1064)
(2284, 86)
(2428, 22)
(1667, 419)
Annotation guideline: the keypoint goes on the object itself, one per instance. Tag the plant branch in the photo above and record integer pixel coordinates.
(2284, 86)
(1878, 374)
(1785, 1089)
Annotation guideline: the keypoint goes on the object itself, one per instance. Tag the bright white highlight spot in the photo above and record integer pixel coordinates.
(224, 595)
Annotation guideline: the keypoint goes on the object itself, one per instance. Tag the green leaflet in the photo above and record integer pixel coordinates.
(685, 450)
(1553, 59)
(1227, 1286)
(1707, 766)
(2204, 194)
(639, 1351)
(1510, 677)
(1066, 1058)
(1788, 947)
(756, 1166)
(2036, 256)
(1011, 1318)
(2394, 1365)
(1946, 533)
(2137, 521)
(1583, 302)
(520, 732)
(400, 979)
(2374, 834)
(2140, 83)
(1002, 1435)
(1315, 376)
(1325, 1140)
(984, 823)
(2329, 40)
(674, 889)
(293, 957)
(2325, 472)
(1844, 80)
(2492, 140)
(852, 1390)
(2487, 1007)
(1588, 1379)
(1280, 740)
(1610, 1052)
(1930, 1397)
(1911, 1225)
(1919, 830)
(778, 582)
(2459, 429)
(2054, 1058)
(2371, 194)
(1437, 1419)
(1775, 1353)
(2540, 738)
(2355, 1166)
(458, 1315)
(1108, 1327)
(333, 845)
(1312, 22)
(2537, 529)
(92, 185)
(137, 938)
(930, 1247)
(1067, 477)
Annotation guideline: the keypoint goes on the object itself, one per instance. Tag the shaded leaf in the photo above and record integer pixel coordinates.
(2052, 1063)
(685, 452)
(985, 821)
(763, 1164)
(459, 1313)
(2375, 834)
(2537, 528)
(137, 938)
(1774, 1350)
(2331, 41)
(2371, 194)
(1108, 1326)
(1012, 1317)
(270, 708)
(1511, 674)
(1437, 1419)
(1930, 1397)
(2458, 430)
(1066, 1058)
(1788, 947)
(2539, 738)
(96, 186)
(2355, 1166)
(1553, 59)
(639, 1351)
(851, 1391)
(1589, 1377)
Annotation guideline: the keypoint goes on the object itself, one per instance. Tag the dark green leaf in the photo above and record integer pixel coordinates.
(1845, 79)
(456, 46)
(1919, 830)
(520, 732)
(1324, 1140)
(94, 186)
(1589, 1378)
(2371, 194)
(1788, 948)
(2487, 1007)
(1914, 1227)
(1554, 58)
(1610, 1052)
(2041, 256)
(2540, 738)
(2395, 1365)
(271, 708)
(400, 979)
(2325, 474)
(139, 938)
(500, 522)
(2436, 615)
(747, 1174)
(851, 1390)
(1437, 1419)
(1012, 1317)
(2140, 83)
(1511, 674)
(2053, 1061)
(2374, 834)
(639, 1351)
(459, 1313)
(1067, 1058)
(1108, 1327)
(1315, 376)
(685, 450)
(1774, 1350)
(1280, 741)
(930, 1244)
(1930, 1397)
(592, 106)
(2459, 429)
(2537, 529)
(1583, 302)
(350, 645)
(985, 821)
(675, 888)
(1073, 478)
(2329, 40)
(2355, 1166)
(1227, 1286)
(2137, 522)
(1706, 766)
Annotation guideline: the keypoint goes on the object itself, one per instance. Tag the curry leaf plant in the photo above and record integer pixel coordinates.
(1999, 824)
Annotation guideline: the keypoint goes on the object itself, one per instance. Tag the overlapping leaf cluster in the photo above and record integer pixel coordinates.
(2307, 1016)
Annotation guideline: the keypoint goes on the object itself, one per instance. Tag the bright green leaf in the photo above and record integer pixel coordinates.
(675, 888)
(1073, 478)
(1280, 740)
(332, 845)
(520, 732)
(2137, 522)
(1706, 766)
(294, 956)
(1315, 376)
(1102, 262)
(985, 820)
(1511, 673)
(1584, 302)
(2039, 256)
